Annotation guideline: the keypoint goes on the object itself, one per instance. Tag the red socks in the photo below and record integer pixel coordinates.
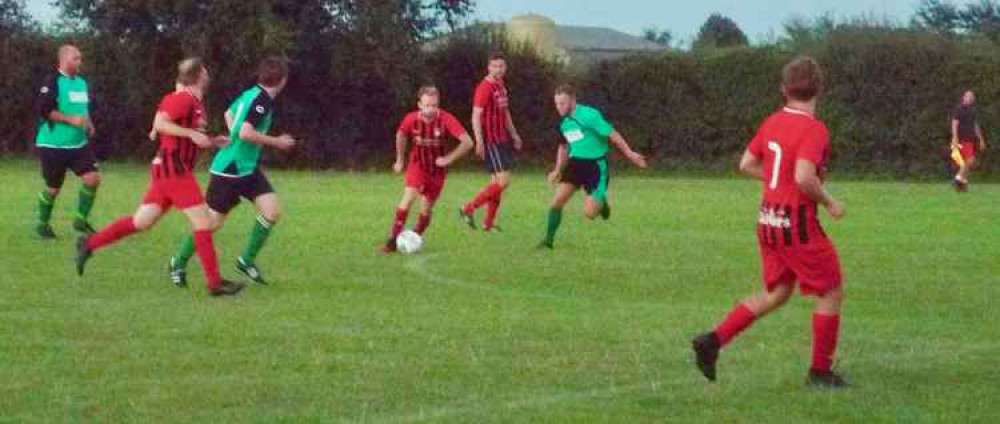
(118, 230)
(489, 193)
(399, 223)
(204, 245)
(826, 329)
(491, 210)
(422, 224)
(738, 320)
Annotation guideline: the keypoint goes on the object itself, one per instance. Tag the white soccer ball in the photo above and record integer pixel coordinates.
(409, 242)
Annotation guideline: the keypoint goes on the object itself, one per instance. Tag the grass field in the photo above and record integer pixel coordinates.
(482, 328)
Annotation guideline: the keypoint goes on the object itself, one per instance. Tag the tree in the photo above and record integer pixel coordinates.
(14, 18)
(937, 15)
(664, 37)
(720, 32)
(977, 19)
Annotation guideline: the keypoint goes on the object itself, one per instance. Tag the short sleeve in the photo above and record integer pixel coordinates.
(260, 109)
(757, 145)
(815, 148)
(484, 95)
(48, 95)
(596, 122)
(177, 107)
(406, 126)
(454, 127)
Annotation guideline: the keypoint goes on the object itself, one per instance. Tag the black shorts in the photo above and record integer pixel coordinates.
(499, 157)
(592, 174)
(224, 193)
(55, 163)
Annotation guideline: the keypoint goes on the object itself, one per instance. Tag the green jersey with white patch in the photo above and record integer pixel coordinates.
(240, 158)
(69, 96)
(587, 132)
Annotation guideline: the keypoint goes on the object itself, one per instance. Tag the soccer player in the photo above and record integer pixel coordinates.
(179, 125)
(967, 137)
(236, 172)
(582, 160)
(496, 141)
(428, 128)
(789, 154)
(64, 130)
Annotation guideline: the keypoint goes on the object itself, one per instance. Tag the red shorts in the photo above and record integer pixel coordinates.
(815, 267)
(427, 184)
(968, 149)
(180, 192)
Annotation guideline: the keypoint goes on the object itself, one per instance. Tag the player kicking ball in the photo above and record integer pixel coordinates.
(582, 160)
(236, 172)
(789, 154)
(179, 125)
(427, 128)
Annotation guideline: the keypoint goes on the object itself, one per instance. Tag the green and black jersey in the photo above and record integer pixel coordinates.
(69, 96)
(240, 158)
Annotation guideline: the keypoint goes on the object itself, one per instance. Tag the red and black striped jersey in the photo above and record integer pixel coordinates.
(176, 156)
(491, 95)
(788, 216)
(429, 138)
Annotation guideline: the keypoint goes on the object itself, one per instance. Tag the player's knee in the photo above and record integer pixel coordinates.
(92, 180)
(272, 216)
(143, 224)
(53, 191)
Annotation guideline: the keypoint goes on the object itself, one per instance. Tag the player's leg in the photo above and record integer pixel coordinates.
(85, 166)
(144, 218)
(501, 180)
(221, 197)
(202, 226)
(826, 332)
(596, 185)
(498, 164)
(410, 195)
(564, 192)
(178, 263)
(54, 175)
(426, 209)
(268, 213)
(708, 345)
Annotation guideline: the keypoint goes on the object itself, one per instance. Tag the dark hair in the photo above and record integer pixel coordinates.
(427, 90)
(802, 79)
(272, 71)
(566, 89)
(498, 56)
(189, 71)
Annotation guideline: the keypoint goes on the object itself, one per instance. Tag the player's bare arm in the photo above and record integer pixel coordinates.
(982, 139)
(619, 142)
(250, 134)
(477, 131)
(752, 165)
(76, 121)
(401, 140)
(164, 125)
(562, 159)
(807, 178)
(512, 130)
(228, 116)
(465, 145)
(954, 134)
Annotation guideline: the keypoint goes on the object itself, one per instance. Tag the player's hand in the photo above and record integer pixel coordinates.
(285, 142)
(199, 139)
(638, 159)
(90, 130)
(983, 145)
(442, 162)
(518, 143)
(221, 141)
(152, 135)
(836, 209)
(480, 150)
(397, 167)
(554, 177)
(955, 145)
(77, 121)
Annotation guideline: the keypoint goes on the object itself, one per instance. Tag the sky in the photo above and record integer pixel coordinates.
(760, 19)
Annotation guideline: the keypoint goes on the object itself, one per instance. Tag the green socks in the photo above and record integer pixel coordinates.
(185, 252)
(46, 201)
(261, 231)
(86, 203)
(555, 219)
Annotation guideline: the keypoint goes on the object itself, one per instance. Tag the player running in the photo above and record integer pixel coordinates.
(582, 160)
(179, 125)
(789, 154)
(427, 128)
(967, 138)
(64, 130)
(496, 141)
(236, 172)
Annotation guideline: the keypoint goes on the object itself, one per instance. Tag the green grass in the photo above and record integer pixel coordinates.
(482, 328)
